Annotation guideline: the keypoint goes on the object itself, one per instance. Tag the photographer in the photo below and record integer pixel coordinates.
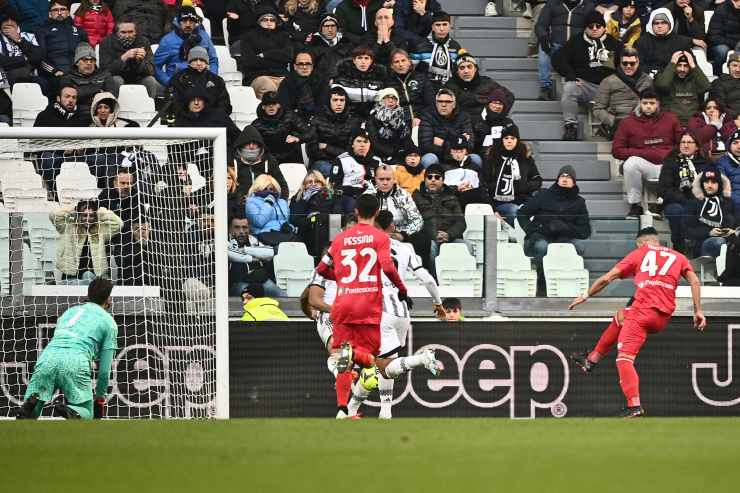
(84, 230)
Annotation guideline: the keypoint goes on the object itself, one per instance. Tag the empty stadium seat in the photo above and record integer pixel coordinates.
(28, 102)
(136, 104)
(225, 29)
(75, 183)
(22, 189)
(722, 260)
(564, 271)
(227, 68)
(456, 269)
(514, 274)
(244, 105)
(294, 174)
(474, 230)
(293, 267)
(701, 61)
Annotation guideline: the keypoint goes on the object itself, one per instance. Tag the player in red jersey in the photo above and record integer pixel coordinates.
(657, 271)
(355, 260)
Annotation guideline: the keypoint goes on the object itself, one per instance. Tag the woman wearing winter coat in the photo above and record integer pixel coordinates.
(713, 127)
(510, 173)
(389, 126)
(266, 210)
(675, 182)
(309, 212)
(488, 128)
(96, 19)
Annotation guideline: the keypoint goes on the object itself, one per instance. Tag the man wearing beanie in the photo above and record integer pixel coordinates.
(172, 54)
(659, 42)
(729, 165)
(682, 86)
(437, 54)
(89, 80)
(723, 34)
(584, 61)
(726, 88)
(266, 53)
(57, 37)
(197, 74)
(328, 46)
(283, 131)
(554, 215)
(473, 89)
(709, 214)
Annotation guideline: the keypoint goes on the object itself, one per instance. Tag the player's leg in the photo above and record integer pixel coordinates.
(385, 384)
(343, 385)
(40, 388)
(587, 361)
(324, 329)
(83, 410)
(630, 341)
(75, 381)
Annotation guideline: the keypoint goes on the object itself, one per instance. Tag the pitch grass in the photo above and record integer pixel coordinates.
(405, 455)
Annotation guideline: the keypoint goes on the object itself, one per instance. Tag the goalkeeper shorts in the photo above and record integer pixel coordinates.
(68, 371)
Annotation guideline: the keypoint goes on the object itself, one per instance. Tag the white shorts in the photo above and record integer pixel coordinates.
(324, 327)
(393, 331)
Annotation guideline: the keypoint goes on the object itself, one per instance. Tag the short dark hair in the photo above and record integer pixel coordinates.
(384, 219)
(87, 204)
(447, 92)
(363, 50)
(99, 290)
(349, 218)
(126, 19)
(254, 289)
(367, 205)
(648, 231)
(63, 3)
(452, 304)
(338, 91)
(65, 85)
(630, 52)
(304, 52)
(649, 93)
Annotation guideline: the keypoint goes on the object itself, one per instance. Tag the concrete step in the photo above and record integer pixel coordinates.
(467, 22)
(522, 106)
(526, 88)
(501, 44)
(465, 7)
(546, 127)
(586, 170)
(614, 226)
(603, 249)
(606, 208)
(508, 63)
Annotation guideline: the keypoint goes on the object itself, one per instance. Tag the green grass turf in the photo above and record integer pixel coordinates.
(405, 455)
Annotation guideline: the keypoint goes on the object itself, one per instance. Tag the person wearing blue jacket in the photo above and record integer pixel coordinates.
(172, 54)
(729, 165)
(266, 209)
(31, 13)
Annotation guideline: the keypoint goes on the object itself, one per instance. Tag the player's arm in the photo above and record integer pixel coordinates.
(596, 287)
(316, 298)
(104, 366)
(700, 322)
(430, 284)
(326, 267)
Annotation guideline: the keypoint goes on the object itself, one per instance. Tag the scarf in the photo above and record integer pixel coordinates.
(63, 112)
(686, 172)
(267, 193)
(718, 141)
(631, 82)
(310, 192)
(440, 61)
(711, 212)
(597, 53)
(414, 170)
(126, 42)
(507, 175)
(188, 41)
(392, 120)
(330, 42)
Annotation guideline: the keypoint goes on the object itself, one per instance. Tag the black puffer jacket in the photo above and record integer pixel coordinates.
(361, 87)
(213, 85)
(572, 60)
(246, 10)
(246, 172)
(310, 214)
(555, 213)
(303, 94)
(274, 130)
(414, 90)
(530, 181)
(441, 211)
(265, 51)
(726, 90)
(334, 130)
(656, 52)
(557, 23)
(669, 182)
(55, 115)
(328, 57)
(150, 17)
(448, 129)
(132, 70)
(724, 26)
(472, 96)
(87, 87)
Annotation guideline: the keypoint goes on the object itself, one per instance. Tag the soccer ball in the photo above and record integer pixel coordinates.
(369, 378)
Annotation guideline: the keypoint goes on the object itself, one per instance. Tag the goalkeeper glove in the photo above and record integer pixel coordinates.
(99, 408)
(405, 297)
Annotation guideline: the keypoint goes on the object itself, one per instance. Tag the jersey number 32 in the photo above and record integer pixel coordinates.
(369, 259)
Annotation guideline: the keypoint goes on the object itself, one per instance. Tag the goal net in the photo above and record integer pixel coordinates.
(145, 208)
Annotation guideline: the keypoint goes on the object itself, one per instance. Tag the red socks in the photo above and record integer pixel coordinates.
(628, 380)
(606, 342)
(366, 360)
(344, 388)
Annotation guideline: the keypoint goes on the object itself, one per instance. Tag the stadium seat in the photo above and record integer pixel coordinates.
(244, 105)
(42, 236)
(73, 8)
(564, 271)
(225, 28)
(227, 68)
(725, 69)
(701, 61)
(294, 174)
(456, 269)
(22, 190)
(722, 260)
(136, 104)
(75, 183)
(293, 267)
(415, 135)
(514, 274)
(28, 102)
(474, 230)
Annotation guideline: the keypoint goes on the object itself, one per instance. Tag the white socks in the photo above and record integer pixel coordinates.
(359, 394)
(402, 365)
(385, 388)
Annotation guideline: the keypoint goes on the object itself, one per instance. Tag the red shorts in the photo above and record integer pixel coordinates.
(360, 336)
(638, 323)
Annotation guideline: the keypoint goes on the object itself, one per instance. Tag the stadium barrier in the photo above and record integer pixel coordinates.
(496, 369)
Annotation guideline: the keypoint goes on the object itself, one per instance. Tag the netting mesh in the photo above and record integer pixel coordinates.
(140, 212)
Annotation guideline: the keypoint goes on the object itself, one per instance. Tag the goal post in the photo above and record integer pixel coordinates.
(146, 207)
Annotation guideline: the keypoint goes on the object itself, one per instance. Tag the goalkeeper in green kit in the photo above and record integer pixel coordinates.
(84, 333)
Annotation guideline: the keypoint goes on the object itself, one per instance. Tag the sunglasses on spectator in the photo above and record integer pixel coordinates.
(434, 177)
(594, 26)
(629, 64)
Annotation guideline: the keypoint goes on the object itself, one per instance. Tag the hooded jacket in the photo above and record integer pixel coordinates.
(472, 96)
(631, 32)
(361, 87)
(113, 119)
(441, 211)
(274, 130)
(682, 96)
(132, 70)
(150, 17)
(724, 26)
(725, 90)
(615, 100)
(656, 52)
(262, 309)
(530, 181)
(669, 181)
(572, 60)
(334, 130)
(213, 85)
(357, 21)
(57, 41)
(555, 213)
(447, 128)
(208, 117)
(265, 51)
(694, 228)
(246, 173)
(651, 138)
(168, 58)
(558, 23)
(729, 166)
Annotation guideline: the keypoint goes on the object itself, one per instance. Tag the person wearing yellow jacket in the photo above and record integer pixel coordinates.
(624, 24)
(258, 307)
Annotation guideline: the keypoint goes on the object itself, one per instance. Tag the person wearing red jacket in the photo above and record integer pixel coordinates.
(642, 141)
(96, 19)
(713, 127)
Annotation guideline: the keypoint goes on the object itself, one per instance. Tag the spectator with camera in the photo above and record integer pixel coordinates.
(682, 86)
(713, 126)
(252, 159)
(128, 57)
(675, 183)
(250, 261)
(710, 214)
(85, 230)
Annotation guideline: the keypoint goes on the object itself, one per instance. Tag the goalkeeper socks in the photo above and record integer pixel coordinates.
(629, 381)
(402, 365)
(385, 387)
(359, 394)
(344, 387)
(362, 358)
(606, 342)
